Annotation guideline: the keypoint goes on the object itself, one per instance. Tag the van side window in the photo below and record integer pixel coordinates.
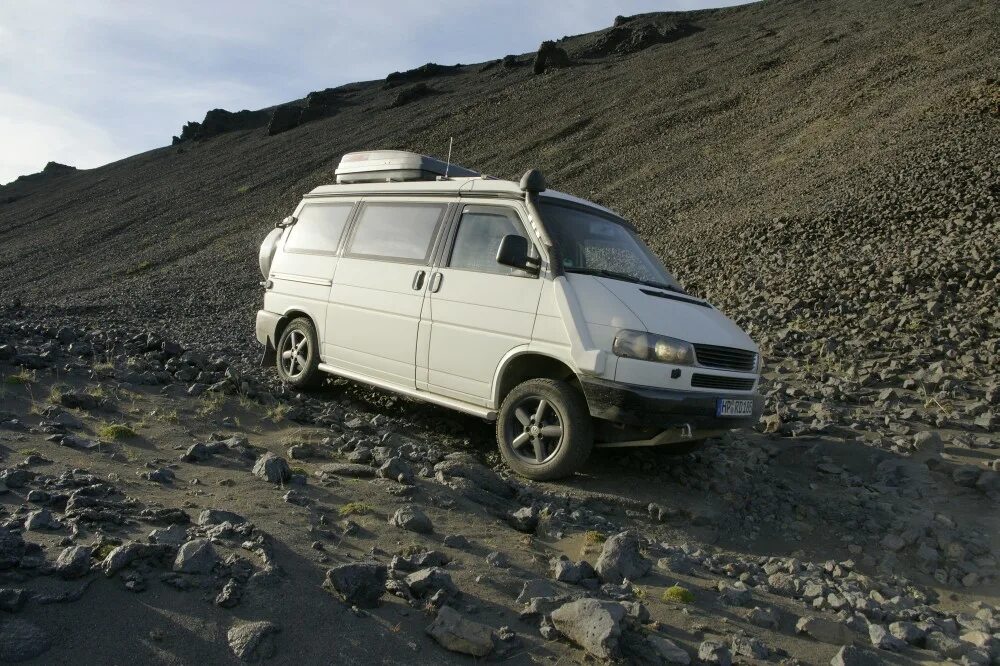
(396, 231)
(478, 239)
(318, 228)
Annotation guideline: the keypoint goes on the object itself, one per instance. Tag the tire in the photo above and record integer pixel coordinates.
(540, 456)
(681, 448)
(300, 370)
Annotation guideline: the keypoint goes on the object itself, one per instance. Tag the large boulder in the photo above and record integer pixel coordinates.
(21, 640)
(592, 624)
(412, 519)
(197, 556)
(252, 641)
(73, 562)
(284, 118)
(549, 56)
(458, 634)
(360, 584)
(620, 559)
(272, 468)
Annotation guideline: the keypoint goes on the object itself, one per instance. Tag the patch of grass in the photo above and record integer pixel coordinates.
(678, 595)
(116, 432)
(355, 509)
(242, 189)
(278, 412)
(298, 470)
(102, 551)
(168, 415)
(246, 402)
(210, 403)
(410, 550)
(56, 394)
(97, 391)
(30, 452)
(23, 377)
(593, 538)
(104, 368)
(140, 267)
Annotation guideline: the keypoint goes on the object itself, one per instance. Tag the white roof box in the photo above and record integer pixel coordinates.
(386, 166)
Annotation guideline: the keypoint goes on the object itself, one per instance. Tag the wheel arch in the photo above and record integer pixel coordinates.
(524, 364)
(290, 314)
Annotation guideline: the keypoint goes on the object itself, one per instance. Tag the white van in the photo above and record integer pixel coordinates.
(532, 308)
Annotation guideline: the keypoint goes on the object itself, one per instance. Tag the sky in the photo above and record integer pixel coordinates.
(88, 83)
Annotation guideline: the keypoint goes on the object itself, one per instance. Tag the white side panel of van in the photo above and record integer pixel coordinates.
(373, 317)
(301, 282)
(477, 318)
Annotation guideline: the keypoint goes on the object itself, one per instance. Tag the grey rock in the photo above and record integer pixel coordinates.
(230, 594)
(21, 640)
(161, 475)
(40, 520)
(748, 646)
(12, 548)
(458, 634)
(196, 557)
(174, 535)
(908, 632)
(883, 639)
(536, 587)
(253, 641)
(497, 559)
(360, 584)
(396, 469)
(217, 516)
(272, 468)
(12, 599)
(73, 562)
(592, 624)
(928, 440)
(412, 519)
(567, 571)
(455, 541)
(850, 655)
(426, 582)
(347, 469)
(763, 617)
(668, 651)
(714, 652)
(825, 630)
(524, 519)
(620, 559)
(736, 594)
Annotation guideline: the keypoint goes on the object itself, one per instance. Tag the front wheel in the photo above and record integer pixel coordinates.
(544, 429)
(298, 354)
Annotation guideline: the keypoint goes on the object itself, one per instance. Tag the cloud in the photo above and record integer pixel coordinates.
(34, 133)
(100, 80)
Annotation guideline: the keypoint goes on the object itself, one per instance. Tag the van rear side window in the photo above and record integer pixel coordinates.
(318, 228)
(396, 231)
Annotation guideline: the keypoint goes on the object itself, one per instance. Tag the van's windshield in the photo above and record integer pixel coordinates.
(598, 244)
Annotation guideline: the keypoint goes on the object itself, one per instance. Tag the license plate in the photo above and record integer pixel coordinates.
(731, 407)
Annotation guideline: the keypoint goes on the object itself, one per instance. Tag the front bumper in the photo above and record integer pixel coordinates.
(664, 408)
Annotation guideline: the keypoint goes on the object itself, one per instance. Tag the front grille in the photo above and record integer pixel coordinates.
(725, 358)
(699, 380)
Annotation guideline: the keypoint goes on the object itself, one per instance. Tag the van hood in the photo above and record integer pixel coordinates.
(677, 315)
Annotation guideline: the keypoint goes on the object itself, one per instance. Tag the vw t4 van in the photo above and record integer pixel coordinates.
(528, 307)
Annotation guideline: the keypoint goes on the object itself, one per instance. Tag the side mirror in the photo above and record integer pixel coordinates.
(287, 222)
(513, 252)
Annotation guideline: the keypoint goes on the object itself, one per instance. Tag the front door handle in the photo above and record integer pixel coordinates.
(418, 280)
(436, 282)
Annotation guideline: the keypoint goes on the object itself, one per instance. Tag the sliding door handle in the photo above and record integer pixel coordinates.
(436, 282)
(418, 280)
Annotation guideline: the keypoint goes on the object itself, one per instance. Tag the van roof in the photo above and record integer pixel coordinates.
(479, 186)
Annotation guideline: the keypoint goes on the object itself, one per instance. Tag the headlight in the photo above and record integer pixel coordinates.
(650, 347)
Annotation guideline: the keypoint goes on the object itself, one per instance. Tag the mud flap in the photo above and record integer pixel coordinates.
(270, 356)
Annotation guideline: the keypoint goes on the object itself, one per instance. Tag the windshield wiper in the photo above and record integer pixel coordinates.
(624, 277)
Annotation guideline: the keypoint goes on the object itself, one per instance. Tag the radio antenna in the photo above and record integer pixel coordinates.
(448, 165)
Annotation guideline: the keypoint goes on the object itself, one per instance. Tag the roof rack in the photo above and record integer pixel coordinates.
(391, 166)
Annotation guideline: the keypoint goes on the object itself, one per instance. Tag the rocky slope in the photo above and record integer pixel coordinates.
(824, 172)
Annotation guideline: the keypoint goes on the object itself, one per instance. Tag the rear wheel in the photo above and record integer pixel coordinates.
(298, 354)
(544, 429)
